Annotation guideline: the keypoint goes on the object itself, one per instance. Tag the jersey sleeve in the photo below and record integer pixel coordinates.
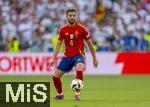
(60, 35)
(85, 34)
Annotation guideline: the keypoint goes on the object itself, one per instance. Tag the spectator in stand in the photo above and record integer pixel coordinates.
(13, 45)
(130, 42)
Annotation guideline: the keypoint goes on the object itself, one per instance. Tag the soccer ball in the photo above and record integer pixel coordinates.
(77, 85)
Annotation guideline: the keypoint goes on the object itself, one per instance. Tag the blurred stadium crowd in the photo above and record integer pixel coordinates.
(114, 25)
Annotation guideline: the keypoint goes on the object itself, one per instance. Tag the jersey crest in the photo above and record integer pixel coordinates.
(76, 33)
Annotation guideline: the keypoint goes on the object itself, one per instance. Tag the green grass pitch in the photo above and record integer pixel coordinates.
(99, 91)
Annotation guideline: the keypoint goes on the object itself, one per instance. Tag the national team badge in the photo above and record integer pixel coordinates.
(71, 36)
(76, 34)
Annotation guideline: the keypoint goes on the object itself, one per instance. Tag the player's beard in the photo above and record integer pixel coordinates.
(71, 21)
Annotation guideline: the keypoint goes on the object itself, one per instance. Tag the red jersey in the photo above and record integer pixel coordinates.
(74, 39)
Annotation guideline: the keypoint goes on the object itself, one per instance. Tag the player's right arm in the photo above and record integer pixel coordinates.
(57, 49)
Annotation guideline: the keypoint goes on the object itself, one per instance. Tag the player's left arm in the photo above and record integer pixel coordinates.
(87, 38)
(91, 48)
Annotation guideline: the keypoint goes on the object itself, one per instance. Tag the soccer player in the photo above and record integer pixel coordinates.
(73, 33)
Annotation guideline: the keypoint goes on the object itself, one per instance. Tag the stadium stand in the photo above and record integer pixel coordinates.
(114, 25)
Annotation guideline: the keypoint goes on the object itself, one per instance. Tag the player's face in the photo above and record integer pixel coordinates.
(71, 16)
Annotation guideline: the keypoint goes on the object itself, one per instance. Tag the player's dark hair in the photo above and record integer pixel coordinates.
(71, 10)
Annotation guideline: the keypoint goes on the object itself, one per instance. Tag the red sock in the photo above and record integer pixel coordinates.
(79, 75)
(57, 84)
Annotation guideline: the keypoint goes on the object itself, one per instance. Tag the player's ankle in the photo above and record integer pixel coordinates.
(77, 93)
(60, 93)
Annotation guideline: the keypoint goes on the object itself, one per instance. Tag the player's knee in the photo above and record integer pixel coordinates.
(80, 67)
(58, 74)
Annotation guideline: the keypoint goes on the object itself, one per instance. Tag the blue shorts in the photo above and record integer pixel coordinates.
(66, 64)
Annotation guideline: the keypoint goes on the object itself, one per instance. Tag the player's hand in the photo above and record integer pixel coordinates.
(95, 63)
(51, 62)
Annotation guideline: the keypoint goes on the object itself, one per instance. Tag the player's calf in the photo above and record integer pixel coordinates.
(79, 72)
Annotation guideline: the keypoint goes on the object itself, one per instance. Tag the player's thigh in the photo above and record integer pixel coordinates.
(58, 73)
(65, 65)
(80, 66)
(79, 62)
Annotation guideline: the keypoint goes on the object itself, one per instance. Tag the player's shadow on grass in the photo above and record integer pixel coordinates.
(104, 99)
